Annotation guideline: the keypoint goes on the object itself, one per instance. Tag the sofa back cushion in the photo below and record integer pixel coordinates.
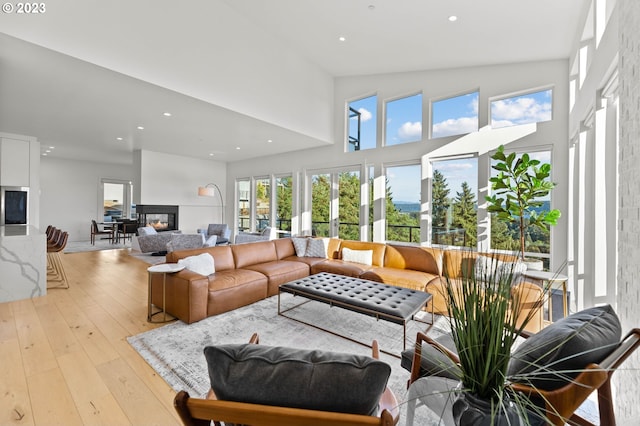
(222, 256)
(378, 249)
(552, 357)
(284, 248)
(286, 377)
(462, 263)
(423, 259)
(254, 253)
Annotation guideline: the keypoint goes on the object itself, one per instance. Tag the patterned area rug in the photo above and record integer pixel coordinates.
(175, 351)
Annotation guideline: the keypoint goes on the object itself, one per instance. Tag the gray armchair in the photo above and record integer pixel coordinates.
(221, 230)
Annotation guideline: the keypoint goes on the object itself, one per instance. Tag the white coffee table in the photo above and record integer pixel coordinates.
(164, 269)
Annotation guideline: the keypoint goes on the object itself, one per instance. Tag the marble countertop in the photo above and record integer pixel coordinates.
(9, 231)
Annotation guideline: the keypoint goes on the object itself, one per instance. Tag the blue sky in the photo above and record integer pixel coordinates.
(452, 116)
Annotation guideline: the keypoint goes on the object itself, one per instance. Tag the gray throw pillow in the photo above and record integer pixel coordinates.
(552, 357)
(286, 377)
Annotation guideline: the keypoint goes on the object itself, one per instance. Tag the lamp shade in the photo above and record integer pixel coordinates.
(206, 191)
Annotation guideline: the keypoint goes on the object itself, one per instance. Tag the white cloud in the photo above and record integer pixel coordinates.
(365, 114)
(507, 112)
(457, 126)
(410, 131)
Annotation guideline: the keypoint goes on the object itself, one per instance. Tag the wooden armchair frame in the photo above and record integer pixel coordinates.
(200, 412)
(561, 403)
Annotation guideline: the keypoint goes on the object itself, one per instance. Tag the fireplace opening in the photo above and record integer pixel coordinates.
(159, 217)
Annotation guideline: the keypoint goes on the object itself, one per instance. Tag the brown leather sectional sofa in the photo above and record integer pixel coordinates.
(247, 273)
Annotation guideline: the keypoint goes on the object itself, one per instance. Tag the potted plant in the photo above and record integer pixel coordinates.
(518, 193)
(486, 317)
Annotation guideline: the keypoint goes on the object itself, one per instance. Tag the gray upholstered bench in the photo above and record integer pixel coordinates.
(383, 301)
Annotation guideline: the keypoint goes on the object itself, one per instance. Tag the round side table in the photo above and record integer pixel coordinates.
(164, 269)
(551, 278)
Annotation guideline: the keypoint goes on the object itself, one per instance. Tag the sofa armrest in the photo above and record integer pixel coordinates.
(187, 295)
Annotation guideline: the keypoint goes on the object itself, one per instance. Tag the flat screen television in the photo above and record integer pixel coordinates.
(14, 205)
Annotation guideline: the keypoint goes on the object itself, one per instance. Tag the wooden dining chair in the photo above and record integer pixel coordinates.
(95, 230)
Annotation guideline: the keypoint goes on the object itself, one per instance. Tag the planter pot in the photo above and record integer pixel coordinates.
(470, 410)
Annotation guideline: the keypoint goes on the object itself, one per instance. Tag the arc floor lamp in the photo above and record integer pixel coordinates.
(209, 190)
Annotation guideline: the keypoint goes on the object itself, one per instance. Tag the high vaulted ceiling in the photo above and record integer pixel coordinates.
(84, 73)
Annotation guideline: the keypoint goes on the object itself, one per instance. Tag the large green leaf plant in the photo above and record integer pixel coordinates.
(519, 190)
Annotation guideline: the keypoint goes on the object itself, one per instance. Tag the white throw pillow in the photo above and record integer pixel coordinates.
(358, 256)
(316, 248)
(202, 264)
(211, 241)
(300, 244)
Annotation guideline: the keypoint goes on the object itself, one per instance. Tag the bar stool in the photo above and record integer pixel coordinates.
(55, 269)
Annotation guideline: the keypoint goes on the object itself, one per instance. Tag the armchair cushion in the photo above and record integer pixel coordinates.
(147, 230)
(287, 377)
(555, 355)
(432, 361)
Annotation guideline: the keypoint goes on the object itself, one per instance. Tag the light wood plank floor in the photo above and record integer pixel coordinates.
(64, 358)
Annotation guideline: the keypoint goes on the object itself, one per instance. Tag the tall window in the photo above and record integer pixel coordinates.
(403, 203)
(349, 206)
(284, 202)
(263, 203)
(529, 108)
(404, 120)
(321, 205)
(362, 120)
(454, 209)
(455, 116)
(244, 204)
(505, 236)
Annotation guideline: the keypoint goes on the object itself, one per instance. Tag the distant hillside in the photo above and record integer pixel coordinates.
(407, 207)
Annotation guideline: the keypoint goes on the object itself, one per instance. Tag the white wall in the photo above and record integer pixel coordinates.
(492, 81)
(627, 397)
(70, 193)
(174, 180)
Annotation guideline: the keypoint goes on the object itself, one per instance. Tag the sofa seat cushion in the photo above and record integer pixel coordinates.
(340, 267)
(407, 278)
(309, 261)
(279, 272)
(297, 378)
(221, 280)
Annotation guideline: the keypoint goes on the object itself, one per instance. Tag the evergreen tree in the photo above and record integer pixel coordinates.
(320, 198)
(465, 215)
(284, 200)
(440, 200)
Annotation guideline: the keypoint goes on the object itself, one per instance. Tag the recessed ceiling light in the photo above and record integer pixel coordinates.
(237, 147)
(342, 38)
(211, 154)
(119, 138)
(48, 151)
(140, 128)
(44, 154)
(52, 147)
(453, 18)
(269, 141)
(166, 114)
